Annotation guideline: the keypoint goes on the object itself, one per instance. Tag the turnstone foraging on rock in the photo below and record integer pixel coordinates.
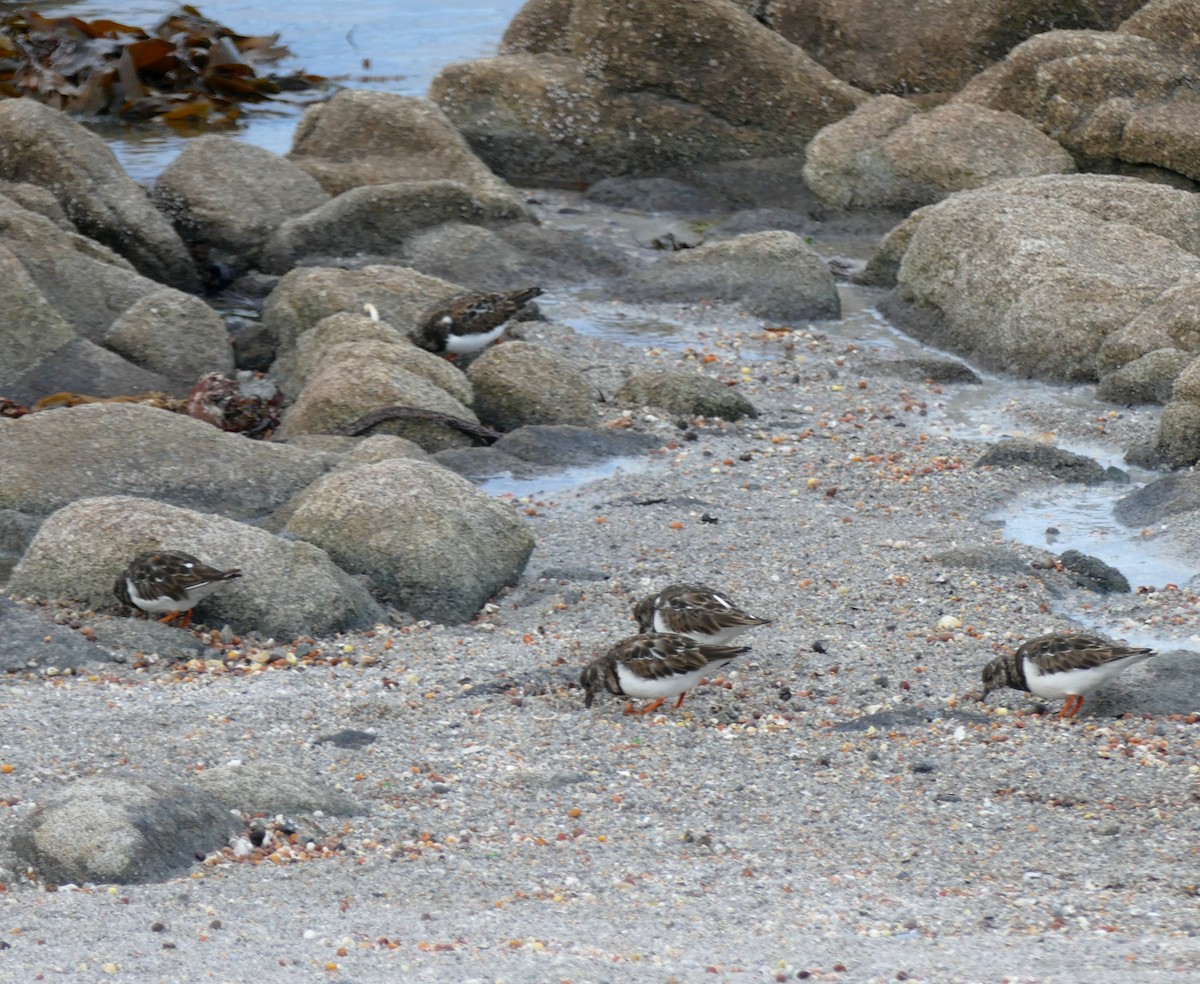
(471, 323)
(694, 611)
(1058, 665)
(174, 583)
(653, 666)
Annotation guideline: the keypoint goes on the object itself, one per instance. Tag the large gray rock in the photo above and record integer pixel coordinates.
(1171, 322)
(1171, 495)
(511, 253)
(31, 642)
(1024, 280)
(272, 788)
(288, 588)
(358, 378)
(1147, 379)
(774, 275)
(520, 383)
(1067, 466)
(666, 85)
(429, 541)
(306, 296)
(375, 220)
(172, 334)
(49, 149)
(226, 197)
(687, 394)
(350, 335)
(1111, 98)
(364, 137)
(53, 457)
(920, 46)
(889, 154)
(121, 830)
(85, 282)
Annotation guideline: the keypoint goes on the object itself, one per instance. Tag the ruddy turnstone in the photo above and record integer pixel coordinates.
(654, 665)
(162, 581)
(1058, 665)
(471, 323)
(694, 611)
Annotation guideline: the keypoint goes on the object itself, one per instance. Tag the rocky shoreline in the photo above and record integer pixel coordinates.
(373, 760)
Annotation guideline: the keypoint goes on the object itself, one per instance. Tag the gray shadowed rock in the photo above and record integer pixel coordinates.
(667, 86)
(16, 530)
(304, 297)
(87, 283)
(889, 154)
(349, 335)
(363, 137)
(925, 370)
(375, 220)
(1165, 684)
(925, 47)
(521, 383)
(41, 354)
(1178, 441)
(1106, 249)
(30, 641)
(1171, 322)
(113, 829)
(364, 377)
(686, 394)
(274, 787)
(1149, 378)
(227, 197)
(124, 637)
(53, 457)
(774, 275)
(482, 464)
(293, 369)
(48, 148)
(540, 449)
(567, 445)
(429, 541)
(1064, 465)
(1168, 496)
(39, 200)
(287, 587)
(1063, 81)
(510, 253)
(1092, 573)
(172, 334)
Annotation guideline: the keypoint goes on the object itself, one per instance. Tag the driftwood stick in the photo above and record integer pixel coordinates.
(367, 421)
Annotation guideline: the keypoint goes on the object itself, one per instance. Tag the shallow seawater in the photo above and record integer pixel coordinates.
(390, 45)
(561, 481)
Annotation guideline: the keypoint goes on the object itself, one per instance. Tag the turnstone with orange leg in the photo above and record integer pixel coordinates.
(172, 583)
(471, 323)
(653, 666)
(695, 611)
(1061, 665)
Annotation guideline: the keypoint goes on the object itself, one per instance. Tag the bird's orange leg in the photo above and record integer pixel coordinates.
(170, 617)
(654, 705)
(679, 703)
(1071, 707)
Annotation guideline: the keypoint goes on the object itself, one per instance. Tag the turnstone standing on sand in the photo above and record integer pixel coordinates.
(694, 611)
(174, 583)
(654, 665)
(471, 323)
(1058, 665)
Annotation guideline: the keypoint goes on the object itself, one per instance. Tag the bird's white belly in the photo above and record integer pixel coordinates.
(1079, 682)
(461, 344)
(163, 604)
(637, 686)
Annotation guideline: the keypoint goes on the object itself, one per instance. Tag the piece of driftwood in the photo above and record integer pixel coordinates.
(369, 420)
